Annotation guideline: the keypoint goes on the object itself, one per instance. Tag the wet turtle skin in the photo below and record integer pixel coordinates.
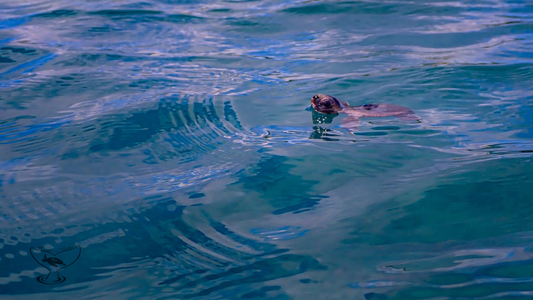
(326, 104)
(53, 261)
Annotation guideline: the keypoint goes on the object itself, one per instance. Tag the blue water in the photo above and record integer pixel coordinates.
(170, 143)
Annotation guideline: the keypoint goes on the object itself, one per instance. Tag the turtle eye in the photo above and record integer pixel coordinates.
(327, 104)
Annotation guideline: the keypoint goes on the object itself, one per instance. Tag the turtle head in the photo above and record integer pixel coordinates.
(326, 104)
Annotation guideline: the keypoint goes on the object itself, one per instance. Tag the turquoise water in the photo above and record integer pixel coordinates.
(172, 142)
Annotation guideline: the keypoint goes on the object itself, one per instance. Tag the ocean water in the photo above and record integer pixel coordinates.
(165, 149)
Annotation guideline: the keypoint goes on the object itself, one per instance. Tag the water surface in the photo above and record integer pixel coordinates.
(170, 140)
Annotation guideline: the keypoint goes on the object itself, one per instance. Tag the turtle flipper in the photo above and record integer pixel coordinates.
(350, 122)
(388, 110)
(408, 117)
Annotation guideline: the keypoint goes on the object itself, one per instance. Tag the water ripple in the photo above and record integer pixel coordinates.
(170, 140)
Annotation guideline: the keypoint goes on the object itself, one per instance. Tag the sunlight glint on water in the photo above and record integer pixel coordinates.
(172, 142)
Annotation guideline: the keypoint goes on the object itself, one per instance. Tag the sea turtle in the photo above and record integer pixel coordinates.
(330, 105)
(53, 261)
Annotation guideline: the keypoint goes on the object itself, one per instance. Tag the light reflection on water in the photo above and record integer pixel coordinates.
(171, 141)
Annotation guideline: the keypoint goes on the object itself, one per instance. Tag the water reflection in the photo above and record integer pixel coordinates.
(171, 256)
(168, 140)
(272, 179)
(190, 135)
(320, 132)
(454, 230)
